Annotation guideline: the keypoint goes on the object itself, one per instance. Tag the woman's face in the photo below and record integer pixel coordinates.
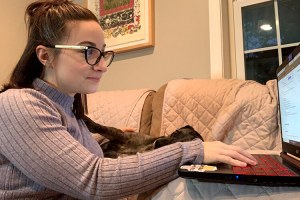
(69, 71)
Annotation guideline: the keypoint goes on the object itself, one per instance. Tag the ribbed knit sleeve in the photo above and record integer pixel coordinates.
(39, 158)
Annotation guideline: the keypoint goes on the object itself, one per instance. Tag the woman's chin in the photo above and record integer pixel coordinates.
(91, 90)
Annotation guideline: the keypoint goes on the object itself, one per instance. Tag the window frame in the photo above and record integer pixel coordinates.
(238, 35)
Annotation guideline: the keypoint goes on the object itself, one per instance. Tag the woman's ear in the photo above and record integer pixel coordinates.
(42, 53)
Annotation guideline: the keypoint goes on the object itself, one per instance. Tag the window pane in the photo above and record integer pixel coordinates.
(259, 28)
(286, 52)
(289, 21)
(261, 66)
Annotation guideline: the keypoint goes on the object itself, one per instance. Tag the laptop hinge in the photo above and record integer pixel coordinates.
(290, 159)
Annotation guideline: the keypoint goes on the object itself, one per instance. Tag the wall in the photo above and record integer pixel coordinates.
(181, 49)
(12, 35)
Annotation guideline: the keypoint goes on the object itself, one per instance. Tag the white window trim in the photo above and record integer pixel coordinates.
(237, 64)
(216, 39)
(218, 66)
(238, 32)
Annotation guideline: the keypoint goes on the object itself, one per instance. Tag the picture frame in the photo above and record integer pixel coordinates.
(127, 24)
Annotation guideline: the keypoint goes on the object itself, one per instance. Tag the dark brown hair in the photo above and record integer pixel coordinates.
(46, 22)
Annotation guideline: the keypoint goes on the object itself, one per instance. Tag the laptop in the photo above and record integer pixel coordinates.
(272, 170)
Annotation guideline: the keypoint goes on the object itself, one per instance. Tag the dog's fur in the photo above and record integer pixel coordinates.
(129, 143)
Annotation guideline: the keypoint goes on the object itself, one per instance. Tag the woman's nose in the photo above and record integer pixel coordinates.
(100, 66)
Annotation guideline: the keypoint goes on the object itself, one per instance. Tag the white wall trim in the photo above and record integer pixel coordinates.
(232, 46)
(216, 39)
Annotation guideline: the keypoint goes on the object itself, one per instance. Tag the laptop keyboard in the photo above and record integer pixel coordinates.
(266, 165)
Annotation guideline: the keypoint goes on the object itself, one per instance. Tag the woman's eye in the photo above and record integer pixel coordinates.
(90, 52)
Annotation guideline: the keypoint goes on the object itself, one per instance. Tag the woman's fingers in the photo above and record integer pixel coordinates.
(233, 155)
(238, 153)
(231, 161)
(236, 158)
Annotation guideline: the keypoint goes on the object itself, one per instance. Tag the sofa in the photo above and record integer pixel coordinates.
(243, 113)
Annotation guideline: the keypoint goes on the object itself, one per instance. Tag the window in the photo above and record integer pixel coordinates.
(266, 31)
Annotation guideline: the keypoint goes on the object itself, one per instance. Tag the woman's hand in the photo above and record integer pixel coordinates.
(220, 152)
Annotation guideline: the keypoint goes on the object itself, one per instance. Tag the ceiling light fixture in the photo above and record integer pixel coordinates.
(266, 27)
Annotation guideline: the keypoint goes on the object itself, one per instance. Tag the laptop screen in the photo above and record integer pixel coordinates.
(288, 76)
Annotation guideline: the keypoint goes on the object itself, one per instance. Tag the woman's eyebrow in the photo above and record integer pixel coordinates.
(87, 43)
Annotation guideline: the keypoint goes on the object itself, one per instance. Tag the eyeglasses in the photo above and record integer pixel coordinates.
(93, 55)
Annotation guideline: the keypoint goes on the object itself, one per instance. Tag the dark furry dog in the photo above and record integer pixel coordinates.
(121, 143)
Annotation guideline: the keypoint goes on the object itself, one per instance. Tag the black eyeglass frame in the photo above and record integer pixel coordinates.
(85, 48)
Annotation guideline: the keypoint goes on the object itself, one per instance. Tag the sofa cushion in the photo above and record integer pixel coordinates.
(234, 111)
(120, 108)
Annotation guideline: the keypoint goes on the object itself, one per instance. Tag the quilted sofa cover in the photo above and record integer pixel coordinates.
(243, 113)
(118, 108)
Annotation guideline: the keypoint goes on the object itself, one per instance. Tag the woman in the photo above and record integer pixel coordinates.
(46, 151)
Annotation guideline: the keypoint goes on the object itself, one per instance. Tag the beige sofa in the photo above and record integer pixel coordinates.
(244, 113)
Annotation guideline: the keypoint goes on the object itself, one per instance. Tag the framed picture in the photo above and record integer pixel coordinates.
(128, 24)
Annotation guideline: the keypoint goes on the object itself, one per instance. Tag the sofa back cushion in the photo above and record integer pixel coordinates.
(127, 108)
(234, 111)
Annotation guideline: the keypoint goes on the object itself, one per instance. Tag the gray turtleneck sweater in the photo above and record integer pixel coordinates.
(46, 153)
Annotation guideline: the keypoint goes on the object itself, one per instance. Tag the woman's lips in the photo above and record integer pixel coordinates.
(95, 79)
